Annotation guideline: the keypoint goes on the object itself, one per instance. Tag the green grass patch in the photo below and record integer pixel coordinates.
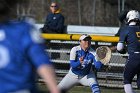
(82, 89)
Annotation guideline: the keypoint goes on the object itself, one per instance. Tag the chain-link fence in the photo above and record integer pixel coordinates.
(79, 12)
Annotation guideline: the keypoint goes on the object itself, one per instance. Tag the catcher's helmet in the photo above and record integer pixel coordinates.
(133, 15)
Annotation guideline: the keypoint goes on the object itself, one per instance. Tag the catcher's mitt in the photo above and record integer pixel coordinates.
(103, 54)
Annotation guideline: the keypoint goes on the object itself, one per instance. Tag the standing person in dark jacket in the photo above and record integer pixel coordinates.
(54, 21)
(54, 24)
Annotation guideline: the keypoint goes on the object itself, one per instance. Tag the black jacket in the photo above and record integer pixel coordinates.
(54, 23)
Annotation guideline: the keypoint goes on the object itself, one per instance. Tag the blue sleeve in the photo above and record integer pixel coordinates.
(37, 55)
(35, 48)
(98, 65)
(75, 64)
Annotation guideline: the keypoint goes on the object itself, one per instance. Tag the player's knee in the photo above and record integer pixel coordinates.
(127, 81)
(95, 88)
(63, 91)
(138, 84)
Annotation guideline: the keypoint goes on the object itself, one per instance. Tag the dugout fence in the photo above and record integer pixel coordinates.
(109, 76)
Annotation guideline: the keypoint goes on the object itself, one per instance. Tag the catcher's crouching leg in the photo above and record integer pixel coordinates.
(63, 91)
(95, 88)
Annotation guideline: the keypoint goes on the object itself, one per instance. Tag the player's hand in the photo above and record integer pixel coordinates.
(81, 59)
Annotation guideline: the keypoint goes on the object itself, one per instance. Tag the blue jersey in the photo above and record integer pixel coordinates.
(88, 58)
(131, 35)
(22, 49)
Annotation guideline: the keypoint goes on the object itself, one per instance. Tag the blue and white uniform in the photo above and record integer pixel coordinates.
(81, 73)
(22, 50)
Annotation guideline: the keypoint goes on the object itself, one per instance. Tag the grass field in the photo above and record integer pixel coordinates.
(81, 89)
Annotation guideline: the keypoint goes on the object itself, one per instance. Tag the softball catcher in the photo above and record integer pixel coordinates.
(82, 59)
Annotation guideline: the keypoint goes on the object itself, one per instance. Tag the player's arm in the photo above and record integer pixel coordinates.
(73, 62)
(96, 63)
(44, 68)
(35, 50)
(121, 47)
(47, 73)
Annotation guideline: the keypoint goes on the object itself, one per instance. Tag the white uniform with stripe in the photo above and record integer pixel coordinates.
(81, 73)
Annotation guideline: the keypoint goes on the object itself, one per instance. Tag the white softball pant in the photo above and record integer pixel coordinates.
(72, 79)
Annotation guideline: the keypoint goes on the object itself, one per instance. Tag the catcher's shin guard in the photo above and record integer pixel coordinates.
(95, 88)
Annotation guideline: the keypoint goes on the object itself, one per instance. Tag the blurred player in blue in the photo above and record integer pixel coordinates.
(82, 61)
(21, 54)
(130, 36)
